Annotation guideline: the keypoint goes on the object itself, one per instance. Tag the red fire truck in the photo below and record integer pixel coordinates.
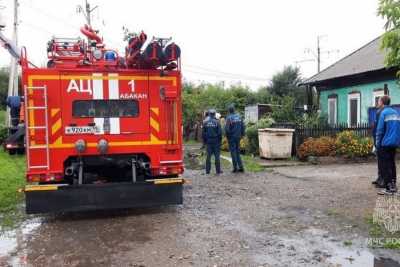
(103, 131)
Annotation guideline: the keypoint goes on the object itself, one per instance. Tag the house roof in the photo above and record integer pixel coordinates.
(367, 58)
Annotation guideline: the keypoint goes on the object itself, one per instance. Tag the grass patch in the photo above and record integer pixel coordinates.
(347, 243)
(332, 212)
(249, 162)
(380, 237)
(192, 142)
(2, 117)
(12, 178)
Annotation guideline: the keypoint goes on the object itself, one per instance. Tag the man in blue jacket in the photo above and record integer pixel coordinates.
(387, 141)
(379, 182)
(14, 103)
(234, 130)
(212, 137)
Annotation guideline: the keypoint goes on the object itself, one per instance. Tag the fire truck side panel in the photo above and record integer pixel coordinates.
(170, 122)
(38, 83)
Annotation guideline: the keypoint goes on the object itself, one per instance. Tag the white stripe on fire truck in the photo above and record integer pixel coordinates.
(113, 93)
(98, 94)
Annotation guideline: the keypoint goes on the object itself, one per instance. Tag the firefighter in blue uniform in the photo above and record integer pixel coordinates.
(379, 182)
(234, 130)
(212, 137)
(387, 142)
(14, 103)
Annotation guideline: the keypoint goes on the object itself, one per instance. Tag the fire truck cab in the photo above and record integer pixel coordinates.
(103, 131)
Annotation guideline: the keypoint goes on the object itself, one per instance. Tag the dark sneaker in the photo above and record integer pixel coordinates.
(241, 170)
(380, 183)
(385, 191)
(375, 182)
(393, 189)
(234, 170)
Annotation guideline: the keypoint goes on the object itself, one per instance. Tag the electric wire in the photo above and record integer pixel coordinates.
(225, 74)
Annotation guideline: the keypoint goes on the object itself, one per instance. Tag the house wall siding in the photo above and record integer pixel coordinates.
(367, 94)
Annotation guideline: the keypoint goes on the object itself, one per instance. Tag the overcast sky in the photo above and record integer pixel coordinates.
(221, 40)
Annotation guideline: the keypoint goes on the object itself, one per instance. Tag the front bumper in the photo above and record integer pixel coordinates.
(68, 198)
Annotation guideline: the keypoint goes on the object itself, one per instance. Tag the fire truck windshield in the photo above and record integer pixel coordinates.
(105, 108)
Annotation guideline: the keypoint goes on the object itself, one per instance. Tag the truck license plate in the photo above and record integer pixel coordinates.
(80, 130)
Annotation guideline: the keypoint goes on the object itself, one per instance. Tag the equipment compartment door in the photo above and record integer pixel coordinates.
(135, 89)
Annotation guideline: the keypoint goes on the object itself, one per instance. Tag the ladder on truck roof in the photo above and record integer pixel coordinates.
(28, 90)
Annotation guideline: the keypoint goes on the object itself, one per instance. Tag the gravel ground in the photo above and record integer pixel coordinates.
(289, 216)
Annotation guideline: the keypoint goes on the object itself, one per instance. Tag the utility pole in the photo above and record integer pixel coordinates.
(87, 12)
(318, 54)
(13, 78)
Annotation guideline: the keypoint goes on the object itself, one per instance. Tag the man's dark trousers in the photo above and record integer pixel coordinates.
(14, 114)
(387, 165)
(234, 148)
(213, 149)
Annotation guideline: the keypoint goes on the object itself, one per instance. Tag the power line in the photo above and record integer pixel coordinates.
(214, 72)
(51, 16)
(36, 27)
(319, 51)
(221, 76)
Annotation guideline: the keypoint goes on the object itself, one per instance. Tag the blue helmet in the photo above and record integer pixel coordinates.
(110, 56)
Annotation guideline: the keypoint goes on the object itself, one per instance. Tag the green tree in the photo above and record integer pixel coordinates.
(389, 10)
(191, 108)
(285, 83)
(285, 111)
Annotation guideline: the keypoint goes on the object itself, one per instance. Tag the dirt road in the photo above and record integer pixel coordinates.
(294, 216)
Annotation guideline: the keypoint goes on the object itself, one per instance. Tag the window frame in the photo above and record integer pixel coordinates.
(334, 100)
(375, 94)
(354, 96)
(137, 114)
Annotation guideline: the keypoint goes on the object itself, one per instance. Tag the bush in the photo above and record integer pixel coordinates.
(252, 146)
(318, 147)
(346, 143)
(351, 145)
(243, 144)
(3, 133)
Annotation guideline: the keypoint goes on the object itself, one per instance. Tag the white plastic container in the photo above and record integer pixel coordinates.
(275, 143)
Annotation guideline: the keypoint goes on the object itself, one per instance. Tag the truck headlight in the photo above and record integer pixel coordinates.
(80, 146)
(102, 146)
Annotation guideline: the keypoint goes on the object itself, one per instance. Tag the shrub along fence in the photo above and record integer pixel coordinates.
(303, 132)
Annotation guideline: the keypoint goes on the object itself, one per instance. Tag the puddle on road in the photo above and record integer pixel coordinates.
(10, 240)
(364, 258)
(192, 161)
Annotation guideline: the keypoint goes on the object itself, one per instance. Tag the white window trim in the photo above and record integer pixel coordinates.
(378, 93)
(333, 99)
(351, 97)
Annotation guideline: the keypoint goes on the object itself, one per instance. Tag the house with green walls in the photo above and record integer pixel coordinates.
(350, 87)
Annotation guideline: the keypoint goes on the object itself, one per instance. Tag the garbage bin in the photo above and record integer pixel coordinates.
(275, 143)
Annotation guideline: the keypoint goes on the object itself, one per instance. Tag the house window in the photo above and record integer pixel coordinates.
(377, 94)
(353, 110)
(332, 110)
